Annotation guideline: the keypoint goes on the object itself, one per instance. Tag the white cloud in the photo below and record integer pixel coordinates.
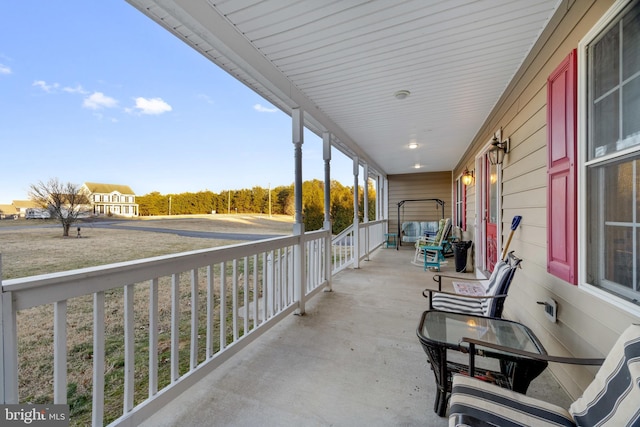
(99, 100)
(151, 106)
(262, 109)
(4, 69)
(46, 87)
(78, 89)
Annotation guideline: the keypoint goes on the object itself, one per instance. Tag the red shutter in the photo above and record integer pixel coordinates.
(561, 171)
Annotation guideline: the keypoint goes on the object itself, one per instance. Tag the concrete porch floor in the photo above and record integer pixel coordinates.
(352, 360)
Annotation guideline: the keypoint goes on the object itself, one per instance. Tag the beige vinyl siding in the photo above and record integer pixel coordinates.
(586, 326)
(432, 185)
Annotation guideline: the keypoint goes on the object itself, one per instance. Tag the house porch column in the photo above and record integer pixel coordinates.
(300, 276)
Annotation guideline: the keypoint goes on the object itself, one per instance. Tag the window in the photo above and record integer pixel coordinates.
(460, 211)
(612, 167)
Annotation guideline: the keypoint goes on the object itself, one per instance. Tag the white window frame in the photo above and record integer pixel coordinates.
(583, 149)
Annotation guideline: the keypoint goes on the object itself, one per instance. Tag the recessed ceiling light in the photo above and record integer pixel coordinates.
(402, 94)
(413, 145)
(417, 166)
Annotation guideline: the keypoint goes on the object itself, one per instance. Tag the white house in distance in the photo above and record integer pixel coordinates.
(111, 199)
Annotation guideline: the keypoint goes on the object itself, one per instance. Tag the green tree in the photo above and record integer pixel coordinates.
(285, 200)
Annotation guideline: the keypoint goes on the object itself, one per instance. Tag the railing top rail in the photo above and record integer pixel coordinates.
(312, 235)
(344, 232)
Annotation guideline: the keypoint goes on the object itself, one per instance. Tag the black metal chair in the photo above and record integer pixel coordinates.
(490, 304)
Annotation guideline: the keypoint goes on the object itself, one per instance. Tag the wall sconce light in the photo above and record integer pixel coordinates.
(467, 177)
(498, 150)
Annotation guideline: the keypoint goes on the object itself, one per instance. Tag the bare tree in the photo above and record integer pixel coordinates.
(65, 201)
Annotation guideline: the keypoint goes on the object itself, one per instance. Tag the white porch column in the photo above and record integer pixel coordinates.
(356, 221)
(300, 275)
(385, 201)
(366, 193)
(326, 155)
(8, 347)
(365, 216)
(378, 194)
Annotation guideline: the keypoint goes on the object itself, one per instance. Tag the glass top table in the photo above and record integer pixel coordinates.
(439, 331)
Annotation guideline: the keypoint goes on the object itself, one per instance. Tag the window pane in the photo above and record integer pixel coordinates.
(619, 250)
(605, 125)
(612, 223)
(630, 42)
(618, 196)
(631, 112)
(605, 62)
(493, 194)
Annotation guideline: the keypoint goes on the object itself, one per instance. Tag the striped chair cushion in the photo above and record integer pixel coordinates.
(502, 407)
(613, 398)
(476, 306)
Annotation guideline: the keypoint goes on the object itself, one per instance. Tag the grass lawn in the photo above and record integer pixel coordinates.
(27, 248)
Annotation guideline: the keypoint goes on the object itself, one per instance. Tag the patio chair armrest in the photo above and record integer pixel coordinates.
(428, 293)
(438, 279)
(431, 247)
(536, 356)
(431, 291)
(463, 420)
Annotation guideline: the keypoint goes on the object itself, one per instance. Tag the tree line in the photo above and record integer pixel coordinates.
(277, 201)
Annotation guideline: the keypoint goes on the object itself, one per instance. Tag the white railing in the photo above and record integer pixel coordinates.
(343, 250)
(127, 338)
(371, 237)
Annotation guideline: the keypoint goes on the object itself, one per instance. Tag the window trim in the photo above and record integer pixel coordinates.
(582, 154)
(463, 203)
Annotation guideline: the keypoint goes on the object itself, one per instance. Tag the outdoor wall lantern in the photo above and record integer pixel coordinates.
(498, 150)
(467, 177)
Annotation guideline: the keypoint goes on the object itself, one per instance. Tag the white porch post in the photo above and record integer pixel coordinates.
(300, 276)
(366, 193)
(378, 194)
(326, 155)
(384, 200)
(365, 216)
(8, 347)
(356, 222)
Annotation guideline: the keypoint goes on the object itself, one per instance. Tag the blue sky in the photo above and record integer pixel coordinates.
(95, 91)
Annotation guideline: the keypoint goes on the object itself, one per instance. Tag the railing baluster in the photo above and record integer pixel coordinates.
(210, 309)
(223, 305)
(285, 278)
(265, 291)
(153, 337)
(271, 284)
(129, 348)
(246, 296)
(175, 326)
(60, 352)
(193, 361)
(255, 292)
(234, 299)
(97, 414)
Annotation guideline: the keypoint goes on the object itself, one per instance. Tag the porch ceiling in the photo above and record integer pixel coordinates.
(341, 61)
